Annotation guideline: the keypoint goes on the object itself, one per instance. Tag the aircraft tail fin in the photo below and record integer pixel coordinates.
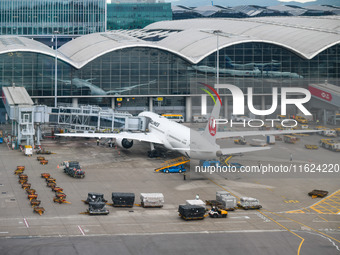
(211, 128)
(228, 63)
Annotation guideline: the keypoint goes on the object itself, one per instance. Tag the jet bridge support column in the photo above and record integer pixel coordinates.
(225, 103)
(74, 102)
(263, 105)
(150, 104)
(203, 104)
(113, 100)
(188, 110)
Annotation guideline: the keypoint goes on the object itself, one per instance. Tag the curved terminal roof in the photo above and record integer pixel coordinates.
(195, 39)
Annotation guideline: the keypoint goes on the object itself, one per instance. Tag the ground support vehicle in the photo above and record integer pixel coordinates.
(240, 141)
(22, 181)
(44, 162)
(301, 119)
(39, 158)
(152, 200)
(73, 169)
(39, 210)
(170, 165)
(290, 139)
(330, 144)
(123, 199)
(26, 185)
(19, 170)
(60, 198)
(311, 147)
(218, 213)
(35, 202)
(32, 196)
(173, 169)
(42, 151)
(191, 212)
(249, 203)
(45, 175)
(329, 133)
(318, 193)
(30, 191)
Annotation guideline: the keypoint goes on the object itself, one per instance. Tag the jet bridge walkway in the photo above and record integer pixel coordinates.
(172, 162)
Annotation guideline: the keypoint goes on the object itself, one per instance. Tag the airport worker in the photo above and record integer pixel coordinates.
(97, 142)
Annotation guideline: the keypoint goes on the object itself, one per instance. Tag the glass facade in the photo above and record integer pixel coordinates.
(141, 72)
(136, 15)
(43, 17)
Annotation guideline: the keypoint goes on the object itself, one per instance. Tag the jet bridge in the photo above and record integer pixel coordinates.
(94, 118)
(28, 118)
(20, 111)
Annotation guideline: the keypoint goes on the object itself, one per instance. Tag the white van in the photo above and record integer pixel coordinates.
(199, 118)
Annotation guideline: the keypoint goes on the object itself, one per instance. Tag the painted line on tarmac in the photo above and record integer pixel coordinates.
(304, 225)
(302, 239)
(26, 223)
(81, 230)
(4, 232)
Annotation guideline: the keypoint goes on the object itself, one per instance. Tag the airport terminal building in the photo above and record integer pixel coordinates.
(162, 66)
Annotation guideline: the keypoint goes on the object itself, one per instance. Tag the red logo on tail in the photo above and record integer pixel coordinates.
(212, 126)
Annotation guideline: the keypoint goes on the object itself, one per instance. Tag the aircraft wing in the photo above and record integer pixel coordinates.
(268, 132)
(143, 137)
(229, 151)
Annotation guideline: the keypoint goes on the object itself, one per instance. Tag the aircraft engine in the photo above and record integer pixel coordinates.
(124, 143)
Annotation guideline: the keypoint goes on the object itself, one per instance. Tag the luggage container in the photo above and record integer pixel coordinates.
(258, 142)
(123, 199)
(94, 197)
(97, 208)
(152, 199)
(219, 195)
(197, 202)
(191, 212)
(249, 203)
(228, 203)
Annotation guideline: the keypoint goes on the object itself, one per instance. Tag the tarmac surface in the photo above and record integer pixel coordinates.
(290, 221)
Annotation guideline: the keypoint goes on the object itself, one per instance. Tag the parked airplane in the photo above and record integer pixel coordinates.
(177, 137)
(256, 72)
(96, 91)
(271, 66)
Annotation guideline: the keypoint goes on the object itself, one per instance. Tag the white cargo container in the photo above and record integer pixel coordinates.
(258, 142)
(28, 150)
(197, 202)
(249, 203)
(152, 199)
(228, 202)
(219, 195)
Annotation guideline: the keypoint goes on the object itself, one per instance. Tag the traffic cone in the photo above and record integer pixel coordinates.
(57, 166)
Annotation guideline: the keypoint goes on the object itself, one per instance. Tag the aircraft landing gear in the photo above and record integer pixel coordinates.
(155, 154)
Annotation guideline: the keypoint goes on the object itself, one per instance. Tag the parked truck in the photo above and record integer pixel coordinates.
(330, 144)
